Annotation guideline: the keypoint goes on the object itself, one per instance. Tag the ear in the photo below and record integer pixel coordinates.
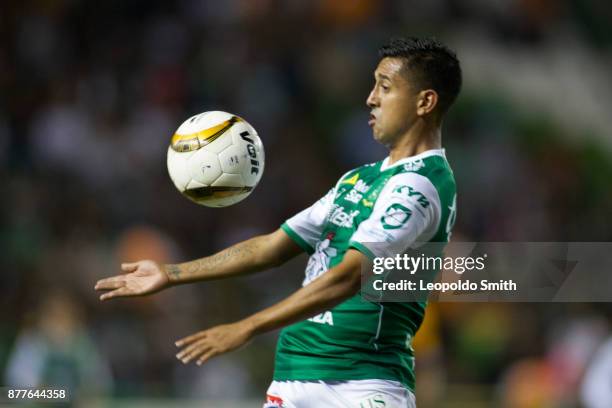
(427, 100)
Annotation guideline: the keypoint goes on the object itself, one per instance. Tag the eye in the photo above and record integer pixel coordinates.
(382, 84)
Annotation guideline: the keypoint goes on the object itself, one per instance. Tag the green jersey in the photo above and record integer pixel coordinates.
(380, 210)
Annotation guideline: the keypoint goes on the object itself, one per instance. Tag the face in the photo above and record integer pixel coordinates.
(392, 102)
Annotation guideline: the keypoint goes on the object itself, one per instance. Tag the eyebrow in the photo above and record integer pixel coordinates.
(382, 76)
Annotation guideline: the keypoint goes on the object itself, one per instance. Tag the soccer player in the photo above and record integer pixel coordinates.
(337, 350)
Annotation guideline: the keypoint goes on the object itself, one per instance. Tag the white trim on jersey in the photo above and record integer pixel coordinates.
(427, 153)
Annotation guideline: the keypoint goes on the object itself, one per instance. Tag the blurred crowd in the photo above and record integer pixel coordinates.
(92, 92)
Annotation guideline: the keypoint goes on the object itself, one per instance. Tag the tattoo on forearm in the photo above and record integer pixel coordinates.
(173, 271)
(235, 253)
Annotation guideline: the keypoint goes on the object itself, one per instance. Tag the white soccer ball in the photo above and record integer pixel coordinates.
(215, 159)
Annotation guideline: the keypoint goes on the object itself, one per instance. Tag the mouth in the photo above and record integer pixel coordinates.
(372, 120)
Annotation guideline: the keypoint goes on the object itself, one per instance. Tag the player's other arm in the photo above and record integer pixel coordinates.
(325, 292)
(328, 290)
(253, 255)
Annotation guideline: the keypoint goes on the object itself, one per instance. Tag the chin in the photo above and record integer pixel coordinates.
(377, 135)
(380, 138)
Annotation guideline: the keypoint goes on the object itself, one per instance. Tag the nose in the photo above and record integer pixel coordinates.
(372, 100)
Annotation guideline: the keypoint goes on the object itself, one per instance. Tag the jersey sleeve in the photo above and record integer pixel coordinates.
(305, 227)
(406, 212)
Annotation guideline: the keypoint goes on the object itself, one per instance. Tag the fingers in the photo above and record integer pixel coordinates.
(196, 345)
(194, 350)
(118, 281)
(129, 267)
(199, 347)
(189, 339)
(188, 350)
(110, 283)
(206, 357)
(122, 291)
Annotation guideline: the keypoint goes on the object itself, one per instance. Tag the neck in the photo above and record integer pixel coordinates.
(419, 138)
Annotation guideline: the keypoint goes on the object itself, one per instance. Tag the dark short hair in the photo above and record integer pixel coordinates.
(431, 64)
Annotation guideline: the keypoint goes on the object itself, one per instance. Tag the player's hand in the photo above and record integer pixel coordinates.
(139, 278)
(212, 342)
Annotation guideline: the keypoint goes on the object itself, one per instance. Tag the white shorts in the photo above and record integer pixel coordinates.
(339, 394)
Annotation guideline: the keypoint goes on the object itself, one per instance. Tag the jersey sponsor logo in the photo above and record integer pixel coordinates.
(395, 216)
(409, 191)
(353, 196)
(414, 165)
(361, 186)
(351, 180)
(323, 318)
(341, 218)
(357, 192)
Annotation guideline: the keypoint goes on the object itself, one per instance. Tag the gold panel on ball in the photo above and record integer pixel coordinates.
(194, 141)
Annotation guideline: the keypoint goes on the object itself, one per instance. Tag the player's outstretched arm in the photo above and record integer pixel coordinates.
(253, 255)
(325, 292)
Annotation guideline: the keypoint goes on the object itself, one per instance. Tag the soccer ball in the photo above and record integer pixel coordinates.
(215, 159)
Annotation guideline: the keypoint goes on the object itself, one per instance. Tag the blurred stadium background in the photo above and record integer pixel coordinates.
(92, 92)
